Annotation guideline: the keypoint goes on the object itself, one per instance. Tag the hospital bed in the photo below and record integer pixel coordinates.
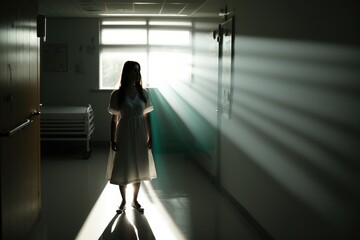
(67, 123)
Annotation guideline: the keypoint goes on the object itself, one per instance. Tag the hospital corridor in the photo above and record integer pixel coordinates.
(238, 119)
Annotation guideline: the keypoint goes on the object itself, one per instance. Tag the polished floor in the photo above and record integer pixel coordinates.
(78, 203)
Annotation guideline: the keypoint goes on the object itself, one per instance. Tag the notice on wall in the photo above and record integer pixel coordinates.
(55, 57)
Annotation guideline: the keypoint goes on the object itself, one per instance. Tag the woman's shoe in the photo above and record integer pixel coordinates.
(121, 208)
(138, 207)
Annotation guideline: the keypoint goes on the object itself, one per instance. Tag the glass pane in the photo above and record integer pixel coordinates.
(112, 22)
(169, 37)
(170, 23)
(112, 62)
(168, 66)
(123, 36)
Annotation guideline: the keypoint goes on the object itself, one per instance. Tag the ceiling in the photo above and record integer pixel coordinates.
(96, 8)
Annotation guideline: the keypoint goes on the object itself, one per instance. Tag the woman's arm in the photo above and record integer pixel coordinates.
(148, 127)
(114, 121)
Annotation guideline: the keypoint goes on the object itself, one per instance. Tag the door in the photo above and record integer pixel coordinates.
(19, 123)
(225, 82)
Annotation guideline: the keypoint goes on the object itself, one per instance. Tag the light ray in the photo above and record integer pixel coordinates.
(160, 221)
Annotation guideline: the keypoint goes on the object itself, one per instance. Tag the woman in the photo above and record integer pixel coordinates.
(132, 161)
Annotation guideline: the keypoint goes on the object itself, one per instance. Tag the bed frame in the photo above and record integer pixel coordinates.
(67, 123)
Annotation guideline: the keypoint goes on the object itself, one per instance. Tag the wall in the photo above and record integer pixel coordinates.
(289, 153)
(78, 85)
(197, 102)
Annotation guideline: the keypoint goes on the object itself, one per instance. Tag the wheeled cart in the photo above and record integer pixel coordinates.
(67, 123)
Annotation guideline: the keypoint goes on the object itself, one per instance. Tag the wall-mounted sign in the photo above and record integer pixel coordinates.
(55, 57)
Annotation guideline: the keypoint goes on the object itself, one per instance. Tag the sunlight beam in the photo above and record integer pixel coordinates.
(160, 221)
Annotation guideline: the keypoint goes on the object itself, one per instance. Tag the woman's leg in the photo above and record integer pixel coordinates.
(123, 195)
(136, 187)
(135, 203)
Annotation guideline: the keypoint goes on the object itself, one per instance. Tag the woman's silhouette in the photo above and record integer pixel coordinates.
(130, 161)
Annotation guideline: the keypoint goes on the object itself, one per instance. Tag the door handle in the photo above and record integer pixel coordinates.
(21, 126)
(16, 129)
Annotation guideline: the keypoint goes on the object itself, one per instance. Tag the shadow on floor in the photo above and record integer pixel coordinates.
(65, 149)
(128, 226)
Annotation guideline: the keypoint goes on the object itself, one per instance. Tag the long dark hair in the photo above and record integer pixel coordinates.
(124, 81)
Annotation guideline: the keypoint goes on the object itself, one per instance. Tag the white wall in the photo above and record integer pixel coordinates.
(195, 101)
(77, 86)
(290, 151)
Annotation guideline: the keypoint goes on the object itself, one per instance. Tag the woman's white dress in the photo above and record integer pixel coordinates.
(133, 161)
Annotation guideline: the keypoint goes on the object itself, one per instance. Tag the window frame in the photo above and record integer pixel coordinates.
(148, 25)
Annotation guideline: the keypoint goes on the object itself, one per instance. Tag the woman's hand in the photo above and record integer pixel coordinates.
(114, 121)
(113, 146)
(149, 143)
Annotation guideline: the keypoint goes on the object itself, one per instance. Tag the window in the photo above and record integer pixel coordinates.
(124, 36)
(163, 49)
